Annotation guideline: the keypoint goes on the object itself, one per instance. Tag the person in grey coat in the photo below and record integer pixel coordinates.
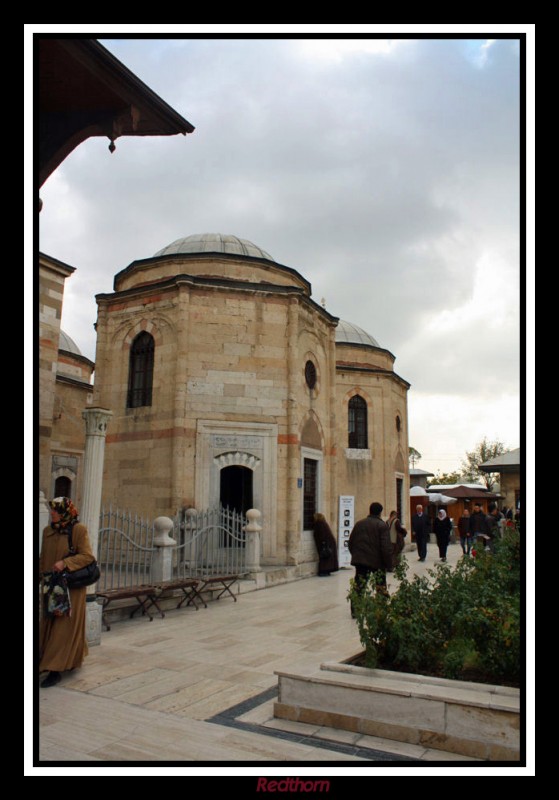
(371, 549)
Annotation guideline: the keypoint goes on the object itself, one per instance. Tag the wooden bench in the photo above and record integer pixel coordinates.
(226, 581)
(146, 595)
(189, 588)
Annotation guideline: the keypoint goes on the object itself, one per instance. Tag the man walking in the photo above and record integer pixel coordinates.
(479, 530)
(421, 526)
(371, 549)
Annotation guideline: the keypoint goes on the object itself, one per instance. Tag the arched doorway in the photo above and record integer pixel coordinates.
(63, 487)
(235, 488)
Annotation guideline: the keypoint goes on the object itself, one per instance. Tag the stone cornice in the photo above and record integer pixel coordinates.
(143, 263)
(340, 367)
(204, 281)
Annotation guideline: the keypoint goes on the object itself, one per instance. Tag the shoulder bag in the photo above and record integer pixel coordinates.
(86, 576)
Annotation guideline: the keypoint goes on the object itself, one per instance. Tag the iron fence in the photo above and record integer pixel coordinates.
(208, 543)
(125, 549)
(211, 542)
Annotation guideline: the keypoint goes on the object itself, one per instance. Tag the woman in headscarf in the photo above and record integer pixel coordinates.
(443, 529)
(326, 546)
(397, 535)
(62, 644)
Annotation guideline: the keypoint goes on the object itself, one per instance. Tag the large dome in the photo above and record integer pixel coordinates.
(214, 243)
(68, 344)
(348, 333)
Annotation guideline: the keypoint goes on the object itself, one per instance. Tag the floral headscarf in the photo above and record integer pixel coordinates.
(67, 510)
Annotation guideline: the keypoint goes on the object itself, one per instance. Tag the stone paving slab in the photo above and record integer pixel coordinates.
(164, 691)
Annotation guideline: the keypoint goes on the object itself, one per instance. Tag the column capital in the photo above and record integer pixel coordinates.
(96, 421)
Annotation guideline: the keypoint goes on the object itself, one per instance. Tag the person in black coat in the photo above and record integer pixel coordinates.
(326, 546)
(465, 533)
(443, 529)
(421, 527)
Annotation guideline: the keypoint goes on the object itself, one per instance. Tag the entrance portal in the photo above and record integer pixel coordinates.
(235, 488)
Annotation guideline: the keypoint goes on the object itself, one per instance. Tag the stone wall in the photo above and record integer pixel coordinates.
(370, 474)
(52, 274)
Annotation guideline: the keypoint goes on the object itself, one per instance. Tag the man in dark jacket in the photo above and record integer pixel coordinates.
(421, 527)
(478, 523)
(371, 549)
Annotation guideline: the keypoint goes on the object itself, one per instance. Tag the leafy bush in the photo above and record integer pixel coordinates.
(458, 623)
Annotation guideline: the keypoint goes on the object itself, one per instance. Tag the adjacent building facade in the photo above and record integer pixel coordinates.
(229, 384)
(65, 389)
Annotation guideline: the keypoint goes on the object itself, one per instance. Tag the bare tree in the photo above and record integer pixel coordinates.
(484, 451)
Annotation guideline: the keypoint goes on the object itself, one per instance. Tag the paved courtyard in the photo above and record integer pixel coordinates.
(199, 686)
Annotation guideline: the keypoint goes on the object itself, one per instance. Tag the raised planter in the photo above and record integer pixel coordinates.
(472, 719)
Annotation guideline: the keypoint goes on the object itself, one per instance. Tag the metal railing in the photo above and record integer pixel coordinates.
(125, 549)
(208, 543)
(211, 542)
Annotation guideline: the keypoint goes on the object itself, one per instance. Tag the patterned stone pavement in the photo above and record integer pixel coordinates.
(198, 686)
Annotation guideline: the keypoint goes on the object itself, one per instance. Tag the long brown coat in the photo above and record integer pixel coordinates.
(62, 643)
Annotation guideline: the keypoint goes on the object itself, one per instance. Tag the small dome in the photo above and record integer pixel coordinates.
(348, 333)
(68, 344)
(214, 243)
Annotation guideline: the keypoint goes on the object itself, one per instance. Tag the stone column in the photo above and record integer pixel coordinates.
(162, 563)
(179, 474)
(252, 545)
(293, 445)
(96, 421)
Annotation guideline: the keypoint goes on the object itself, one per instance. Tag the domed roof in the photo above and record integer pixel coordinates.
(214, 243)
(348, 333)
(68, 344)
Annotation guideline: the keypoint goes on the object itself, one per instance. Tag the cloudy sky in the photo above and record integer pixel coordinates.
(386, 171)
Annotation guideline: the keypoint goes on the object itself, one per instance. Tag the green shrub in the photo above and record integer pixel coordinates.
(459, 622)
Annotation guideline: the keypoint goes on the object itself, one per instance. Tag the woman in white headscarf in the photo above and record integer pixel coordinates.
(443, 529)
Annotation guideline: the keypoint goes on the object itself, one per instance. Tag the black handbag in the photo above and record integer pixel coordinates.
(86, 576)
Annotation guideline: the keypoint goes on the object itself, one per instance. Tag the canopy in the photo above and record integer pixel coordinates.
(466, 491)
(440, 499)
(418, 491)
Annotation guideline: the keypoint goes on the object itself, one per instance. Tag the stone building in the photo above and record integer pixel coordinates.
(229, 384)
(508, 466)
(65, 389)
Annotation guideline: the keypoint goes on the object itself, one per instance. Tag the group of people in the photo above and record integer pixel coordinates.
(421, 527)
(360, 537)
(479, 527)
(375, 545)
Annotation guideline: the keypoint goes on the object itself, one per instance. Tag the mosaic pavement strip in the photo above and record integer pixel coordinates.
(228, 718)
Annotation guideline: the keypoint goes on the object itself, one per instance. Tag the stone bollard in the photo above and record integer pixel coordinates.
(162, 562)
(253, 530)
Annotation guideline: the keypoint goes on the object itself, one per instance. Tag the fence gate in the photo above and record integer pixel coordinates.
(209, 543)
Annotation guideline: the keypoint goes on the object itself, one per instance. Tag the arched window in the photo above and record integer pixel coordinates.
(140, 376)
(357, 423)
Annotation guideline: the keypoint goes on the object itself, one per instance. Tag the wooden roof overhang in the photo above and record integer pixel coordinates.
(83, 91)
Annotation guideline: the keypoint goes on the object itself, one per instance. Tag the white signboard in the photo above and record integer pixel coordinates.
(346, 520)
